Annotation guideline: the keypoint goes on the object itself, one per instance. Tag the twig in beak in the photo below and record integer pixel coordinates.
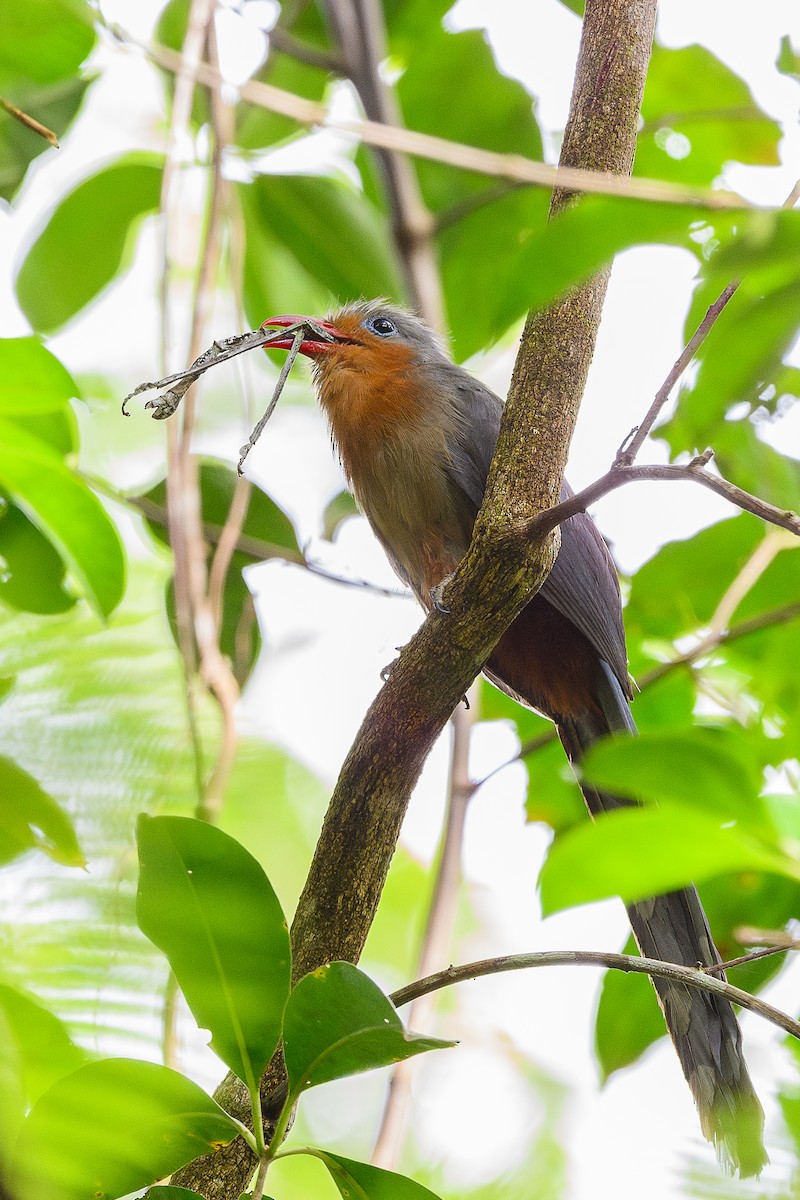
(297, 342)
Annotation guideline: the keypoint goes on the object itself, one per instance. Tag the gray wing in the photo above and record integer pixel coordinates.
(583, 584)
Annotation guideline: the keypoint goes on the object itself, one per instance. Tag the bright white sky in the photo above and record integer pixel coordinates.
(327, 644)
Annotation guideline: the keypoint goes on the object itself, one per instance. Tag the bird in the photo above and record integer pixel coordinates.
(415, 434)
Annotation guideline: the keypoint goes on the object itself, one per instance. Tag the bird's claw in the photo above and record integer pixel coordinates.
(436, 594)
(387, 670)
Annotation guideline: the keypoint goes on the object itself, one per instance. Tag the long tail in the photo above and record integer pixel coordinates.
(674, 928)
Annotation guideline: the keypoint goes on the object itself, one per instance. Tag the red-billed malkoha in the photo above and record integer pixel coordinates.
(416, 434)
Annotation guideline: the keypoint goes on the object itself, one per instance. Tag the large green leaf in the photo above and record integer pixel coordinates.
(742, 357)
(30, 819)
(32, 380)
(481, 246)
(361, 1181)
(53, 105)
(494, 111)
(712, 769)
(338, 1023)
(66, 512)
(205, 901)
(585, 237)
(674, 592)
(332, 231)
(83, 245)
(43, 40)
(485, 222)
(698, 115)
(635, 853)
(45, 1050)
(114, 1126)
(33, 573)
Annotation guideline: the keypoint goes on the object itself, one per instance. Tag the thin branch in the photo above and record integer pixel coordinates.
(286, 43)
(542, 523)
(252, 546)
(438, 933)
(777, 616)
(634, 442)
(475, 201)
(181, 489)
(187, 65)
(30, 122)
(455, 154)
(767, 952)
(631, 447)
(696, 977)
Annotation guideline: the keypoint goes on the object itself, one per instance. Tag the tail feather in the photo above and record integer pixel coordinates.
(673, 928)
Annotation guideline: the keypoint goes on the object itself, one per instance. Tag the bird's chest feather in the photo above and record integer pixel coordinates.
(406, 494)
(394, 450)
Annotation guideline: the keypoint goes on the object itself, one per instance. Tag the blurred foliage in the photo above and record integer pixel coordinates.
(92, 694)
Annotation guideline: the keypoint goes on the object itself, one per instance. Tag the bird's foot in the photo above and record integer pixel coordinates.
(437, 595)
(387, 670)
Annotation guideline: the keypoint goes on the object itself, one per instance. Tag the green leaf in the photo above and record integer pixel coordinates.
(330, 229)
(113, 1127)
(336, 512)
(712, 769)
(338, 1023)
(360, 1181)
(788, 60)
(43, 40)
(66, 512)
(84, 243)
(45, 1050)
(587, 235)
(699, 115)
(264, 519)
(635, 853)
(206, 902)
(30, 819)
(674, 592)
(54, 105)
(32, 380)
(33, 572)
(628, 1018)
(484, 243)
(494, 111)
(553, 795)
(484, 222)
(742, 356)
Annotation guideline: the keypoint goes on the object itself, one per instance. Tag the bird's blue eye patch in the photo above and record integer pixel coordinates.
(382, 326)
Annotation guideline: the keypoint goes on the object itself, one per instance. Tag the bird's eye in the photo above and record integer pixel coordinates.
(382, 326)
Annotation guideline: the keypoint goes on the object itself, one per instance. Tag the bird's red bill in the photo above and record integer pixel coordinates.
(310, 346)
